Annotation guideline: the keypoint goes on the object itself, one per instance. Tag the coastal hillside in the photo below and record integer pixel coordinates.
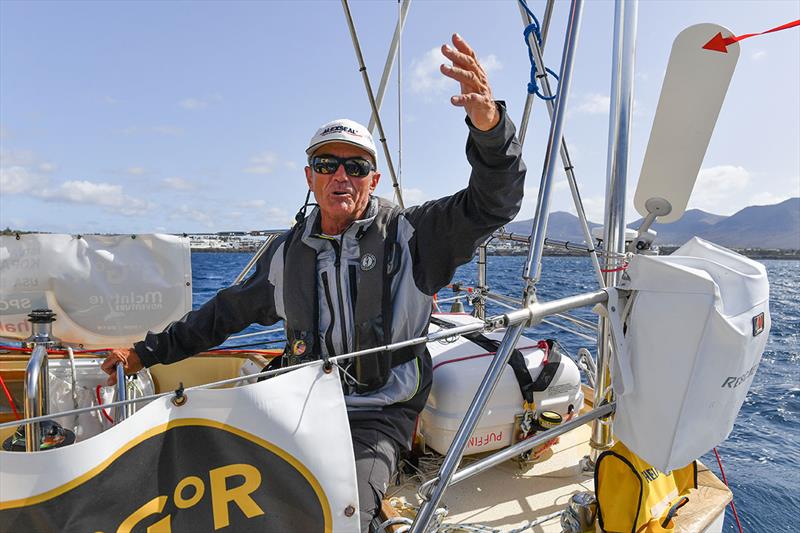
(774, 226)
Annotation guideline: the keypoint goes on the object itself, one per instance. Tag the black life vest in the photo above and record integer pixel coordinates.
(373, 315)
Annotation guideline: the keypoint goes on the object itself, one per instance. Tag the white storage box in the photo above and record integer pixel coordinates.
(458, 369)
(696, 331)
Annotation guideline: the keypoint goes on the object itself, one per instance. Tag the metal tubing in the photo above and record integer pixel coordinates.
(479, 304)
(522, 446)
(526, 111)
(516, 237)
(36, 376)
(525, 445)
(506, 299)
(120, 413)
(535, 312)
(577, 321)
(390, 57)
(625, 19)
(362, 67)
(255, 258)
(553, 142)
(538, 56)
(569, 330)
(473, 414)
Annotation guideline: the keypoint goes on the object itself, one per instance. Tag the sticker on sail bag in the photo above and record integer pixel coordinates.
(758, 324)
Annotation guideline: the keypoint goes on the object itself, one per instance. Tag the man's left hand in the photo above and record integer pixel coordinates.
(476, 95)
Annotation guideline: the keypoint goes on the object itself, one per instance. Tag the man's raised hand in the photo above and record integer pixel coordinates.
(476, 94)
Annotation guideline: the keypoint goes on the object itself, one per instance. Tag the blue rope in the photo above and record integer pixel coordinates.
(535, 29)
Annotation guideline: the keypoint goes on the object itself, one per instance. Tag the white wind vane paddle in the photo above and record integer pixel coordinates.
(694, 88)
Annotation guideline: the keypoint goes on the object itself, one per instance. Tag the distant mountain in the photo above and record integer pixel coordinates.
(693, 222)
(561, 226)
(760, 226)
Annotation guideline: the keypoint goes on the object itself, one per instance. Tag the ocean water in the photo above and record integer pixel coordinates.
(762, 454)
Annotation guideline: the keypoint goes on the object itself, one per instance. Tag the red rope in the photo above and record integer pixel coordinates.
(100, 402)
(10, 398)
(618, 269)
(725, 480)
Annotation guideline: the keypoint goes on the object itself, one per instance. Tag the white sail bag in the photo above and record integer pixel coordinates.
(697, 325)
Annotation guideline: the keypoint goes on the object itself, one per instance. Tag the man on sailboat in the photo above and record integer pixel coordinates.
(358, 272)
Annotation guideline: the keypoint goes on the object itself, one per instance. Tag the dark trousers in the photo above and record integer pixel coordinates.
(376, 459)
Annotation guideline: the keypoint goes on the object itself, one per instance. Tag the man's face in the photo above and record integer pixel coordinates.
(341, 198)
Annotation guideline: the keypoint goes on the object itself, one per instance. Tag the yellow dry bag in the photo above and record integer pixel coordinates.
(634, 497)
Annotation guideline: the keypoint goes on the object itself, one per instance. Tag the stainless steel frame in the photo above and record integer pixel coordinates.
(36, 397)
(516, 449)
(390, 57)
(363, 69)
(253, 260)
(625, 19)
(121, 413)
(538, 57)
(553, 142)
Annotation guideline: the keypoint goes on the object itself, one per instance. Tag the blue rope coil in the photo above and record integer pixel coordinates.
(535, 29)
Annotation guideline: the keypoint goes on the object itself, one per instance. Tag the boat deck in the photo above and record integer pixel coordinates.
(507, 497)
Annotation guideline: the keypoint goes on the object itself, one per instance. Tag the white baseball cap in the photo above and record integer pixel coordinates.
(346, 131)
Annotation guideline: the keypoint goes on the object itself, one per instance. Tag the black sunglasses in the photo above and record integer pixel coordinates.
(355, 167)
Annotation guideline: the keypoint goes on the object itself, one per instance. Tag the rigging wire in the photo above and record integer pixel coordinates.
(535, 28)
(725, 480)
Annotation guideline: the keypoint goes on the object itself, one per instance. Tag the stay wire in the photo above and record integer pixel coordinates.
(535, 28)
(725, 480)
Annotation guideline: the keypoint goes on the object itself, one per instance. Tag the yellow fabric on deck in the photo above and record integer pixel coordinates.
(634, 497)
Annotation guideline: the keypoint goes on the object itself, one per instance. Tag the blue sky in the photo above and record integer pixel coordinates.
(194, 116)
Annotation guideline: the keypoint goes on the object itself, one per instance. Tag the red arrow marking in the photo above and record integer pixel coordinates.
(718, 43)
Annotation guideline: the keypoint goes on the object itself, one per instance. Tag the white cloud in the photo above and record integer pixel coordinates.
(173, 131)
(425, 75)
(101, 194)
(193, 103)
(594, 104)
(18, 180)
(275, 217)
(14, 158)
(758, 55)
(263, 163)
(426, 78)
(136, 171)
(718, 188)
(21, 171)
(490, 63)
(414, 196)
(177, 183)
(768, 198)
(110, 100)
(197, 215)
(252, 204)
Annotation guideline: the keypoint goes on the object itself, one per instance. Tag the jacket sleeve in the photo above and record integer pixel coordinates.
(231, 310)
(448, 230)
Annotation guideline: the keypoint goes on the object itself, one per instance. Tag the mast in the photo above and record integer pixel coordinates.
(619, 129)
